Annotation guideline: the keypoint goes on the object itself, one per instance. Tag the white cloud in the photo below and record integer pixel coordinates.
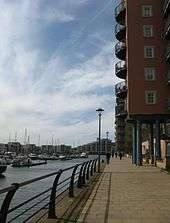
(34, 94)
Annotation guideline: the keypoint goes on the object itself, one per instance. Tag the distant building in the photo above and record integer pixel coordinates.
(3, 147)
(92, 147)
(15, 147)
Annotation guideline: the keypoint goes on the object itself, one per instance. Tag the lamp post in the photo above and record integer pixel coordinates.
(99, 110)
(107, 137)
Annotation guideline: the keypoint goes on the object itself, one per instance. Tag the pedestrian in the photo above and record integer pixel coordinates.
(120, 155)
(108, 157)
(115, 154)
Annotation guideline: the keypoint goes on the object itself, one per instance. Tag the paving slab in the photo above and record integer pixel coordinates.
(125, 193)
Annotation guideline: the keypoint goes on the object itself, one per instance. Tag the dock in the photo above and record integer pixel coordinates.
(124, 193)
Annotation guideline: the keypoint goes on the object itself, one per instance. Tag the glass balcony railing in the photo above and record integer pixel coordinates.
(120, 32)
(120, 50)
(167, 55)
(121, 89)
(165, 7)
(167, 28)
(121, 110)
(121, 70)
(168, 78)
(120, 12)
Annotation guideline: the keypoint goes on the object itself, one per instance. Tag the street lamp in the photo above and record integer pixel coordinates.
(99, 110)
(107, 137)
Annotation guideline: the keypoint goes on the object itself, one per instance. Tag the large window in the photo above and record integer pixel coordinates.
(149, 51)
(150, 97)
(149, 73)
(147, 11)
(148, 31)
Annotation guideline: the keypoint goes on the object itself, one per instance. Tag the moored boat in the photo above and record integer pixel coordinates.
(3, 166)
(83, 155)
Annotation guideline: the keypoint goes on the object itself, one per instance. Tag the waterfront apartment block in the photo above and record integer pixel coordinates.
(143, 49)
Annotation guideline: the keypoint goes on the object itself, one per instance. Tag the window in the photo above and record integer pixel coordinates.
(149, 74)
(149, 51)
(147, 11)
(150, 97)
(148, 31)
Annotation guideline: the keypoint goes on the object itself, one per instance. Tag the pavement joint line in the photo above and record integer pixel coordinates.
(83, 215)
(108, 200)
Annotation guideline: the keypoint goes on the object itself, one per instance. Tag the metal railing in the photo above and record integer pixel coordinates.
(120, 87)
(165, 6)
(167, 54)
(121, 7)
(167, 27)
(121, 109)
(78, 175)
(168, 77)
(119, 28)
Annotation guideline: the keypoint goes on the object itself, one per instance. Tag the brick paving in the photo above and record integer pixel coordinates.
(128, 194)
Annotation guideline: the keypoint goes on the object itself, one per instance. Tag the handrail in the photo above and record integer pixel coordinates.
(119, 28)
(67, 183)
(120, 8)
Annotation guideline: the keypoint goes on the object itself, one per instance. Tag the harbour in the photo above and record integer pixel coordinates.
(22, 176)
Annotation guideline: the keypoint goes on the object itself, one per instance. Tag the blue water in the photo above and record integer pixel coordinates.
(16, 175)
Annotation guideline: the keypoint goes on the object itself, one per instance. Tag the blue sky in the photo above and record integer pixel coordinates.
(56, 68)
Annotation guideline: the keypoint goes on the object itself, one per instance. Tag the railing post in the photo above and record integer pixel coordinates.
(71, 187)
(92, 168)
(95, 163)
(88, 169)
(79, 184)
(84, 173)
(51, 211)
(6, 203)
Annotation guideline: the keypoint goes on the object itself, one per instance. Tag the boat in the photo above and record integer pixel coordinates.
(62, 157)
(21, 162)
(83, 155)
(33, 156)
(3, 166)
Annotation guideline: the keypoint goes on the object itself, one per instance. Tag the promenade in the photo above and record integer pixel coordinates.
(128, 194)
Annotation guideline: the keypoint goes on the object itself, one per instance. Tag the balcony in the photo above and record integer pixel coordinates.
(168, 78)
(167, 54)
(120, 51)
(120, 123)
(121, 70)
(120, 13)
(120, 32)
(121, 110)
(167, 29)
(168, 104)
(121, 90)
(165, 7)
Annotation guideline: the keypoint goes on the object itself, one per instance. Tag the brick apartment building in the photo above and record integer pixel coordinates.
(143, 50)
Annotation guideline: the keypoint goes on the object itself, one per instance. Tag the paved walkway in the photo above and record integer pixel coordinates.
(129, 194)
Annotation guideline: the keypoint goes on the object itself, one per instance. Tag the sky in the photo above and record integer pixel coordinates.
(56, 68)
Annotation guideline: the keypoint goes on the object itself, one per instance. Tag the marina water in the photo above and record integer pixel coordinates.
(17, 175)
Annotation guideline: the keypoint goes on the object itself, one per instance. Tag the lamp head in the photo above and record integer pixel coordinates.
(99, 110)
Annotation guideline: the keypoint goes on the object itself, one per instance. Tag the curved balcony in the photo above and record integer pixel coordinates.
(168, 78)
(167, 55)
(120, 13)
(121, 70)
(167, 29)
(120, 51)
(121, 110)
(121, 90)
(120, 32)
(120, 122)
(165, 7)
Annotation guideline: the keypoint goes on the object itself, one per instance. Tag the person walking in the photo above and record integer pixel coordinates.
(120, 155)
(108, 157)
